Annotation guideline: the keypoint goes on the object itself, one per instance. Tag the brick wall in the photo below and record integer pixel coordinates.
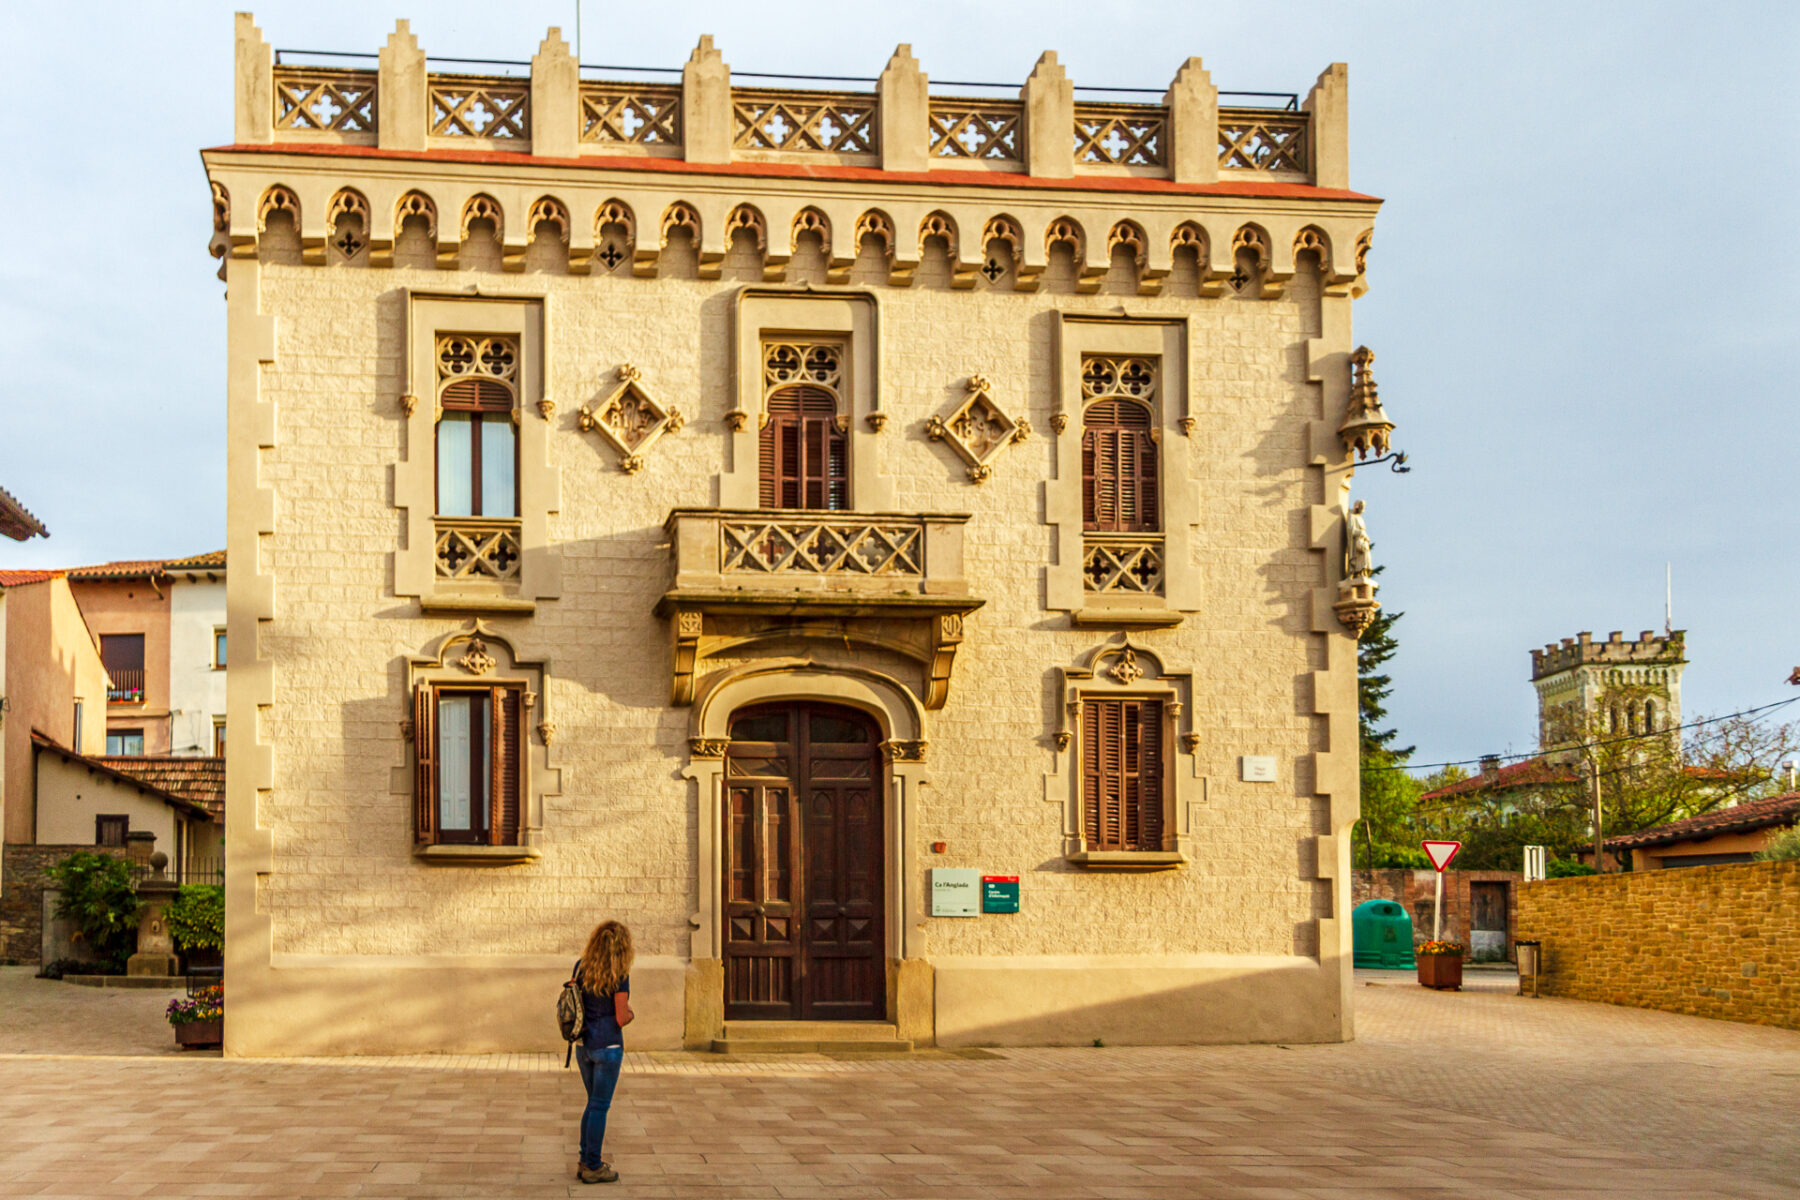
(1414, 890)
(22, 899)
(1712, 941)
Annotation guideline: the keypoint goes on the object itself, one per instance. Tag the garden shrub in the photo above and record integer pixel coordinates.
(1783, 847)
(196, 917)
(99, 896)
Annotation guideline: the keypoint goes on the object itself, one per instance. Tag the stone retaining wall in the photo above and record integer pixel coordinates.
(1711, 941)
(22, 900)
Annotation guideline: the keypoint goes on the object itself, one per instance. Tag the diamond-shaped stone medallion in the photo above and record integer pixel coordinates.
(630, 420)
(978, 430)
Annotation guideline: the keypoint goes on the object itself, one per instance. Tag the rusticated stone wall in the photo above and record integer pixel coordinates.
(1712, 941)
(22, 899)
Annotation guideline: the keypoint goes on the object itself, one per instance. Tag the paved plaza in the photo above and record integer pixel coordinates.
(1476, 1094)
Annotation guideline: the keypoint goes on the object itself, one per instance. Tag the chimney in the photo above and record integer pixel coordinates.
(1490, 764)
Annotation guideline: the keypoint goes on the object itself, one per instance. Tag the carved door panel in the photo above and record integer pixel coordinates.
(803, 866)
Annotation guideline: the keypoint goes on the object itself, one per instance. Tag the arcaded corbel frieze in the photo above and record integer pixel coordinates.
(402, 92)
(706, 105)
(555, 99)
(254, 120)
(903, 95)
(1193, 131)
(1328, 103)
(1048, 98)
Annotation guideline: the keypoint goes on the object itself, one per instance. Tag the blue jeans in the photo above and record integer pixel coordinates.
(600, 1075)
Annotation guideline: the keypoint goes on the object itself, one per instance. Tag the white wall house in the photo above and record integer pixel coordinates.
(197, 654)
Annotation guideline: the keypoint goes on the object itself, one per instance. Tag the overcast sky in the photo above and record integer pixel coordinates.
(1583, 300)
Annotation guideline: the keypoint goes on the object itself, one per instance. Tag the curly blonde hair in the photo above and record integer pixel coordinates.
(607, 960)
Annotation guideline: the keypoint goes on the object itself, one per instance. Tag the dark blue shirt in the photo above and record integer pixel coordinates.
(602, 1016)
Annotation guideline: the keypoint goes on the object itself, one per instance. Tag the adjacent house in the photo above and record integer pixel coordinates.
(1724, 835)
(888, 547)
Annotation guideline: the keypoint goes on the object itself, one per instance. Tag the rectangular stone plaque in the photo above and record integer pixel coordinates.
(1257, 768)
(999, 893)
(955, 892)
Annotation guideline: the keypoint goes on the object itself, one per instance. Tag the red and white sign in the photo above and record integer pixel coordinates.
(1441, 853)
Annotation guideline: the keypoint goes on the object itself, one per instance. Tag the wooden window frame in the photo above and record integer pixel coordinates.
(483, 400)
(119, 733)
(497, 773)
(218, 737)
(142, 668)
(120, 821)
(1110, 485)
(220, 648)
(1124, 797)
(819, 456)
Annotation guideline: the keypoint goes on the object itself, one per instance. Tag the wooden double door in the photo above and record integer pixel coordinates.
(804, 873)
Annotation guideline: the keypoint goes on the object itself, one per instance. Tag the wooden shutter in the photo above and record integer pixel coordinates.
(1122, 783)
(477, 395)
(1119, 469)
(424, 764)
(505, 765)
(803, 458)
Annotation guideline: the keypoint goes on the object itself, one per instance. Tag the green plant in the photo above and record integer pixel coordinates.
(196, 917)
(98, 895)
(1565, 868)
(1783, 847)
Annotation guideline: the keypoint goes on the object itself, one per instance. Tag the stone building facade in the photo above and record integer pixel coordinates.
(721, 509)
(1588, 689)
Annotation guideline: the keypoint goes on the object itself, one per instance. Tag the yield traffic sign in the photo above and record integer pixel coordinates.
(1441, 853)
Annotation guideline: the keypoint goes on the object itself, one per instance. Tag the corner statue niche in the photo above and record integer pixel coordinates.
(1356, 605)
(630, 420)
(978, 430)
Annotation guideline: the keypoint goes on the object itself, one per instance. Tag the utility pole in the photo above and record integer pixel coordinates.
(1599, 836)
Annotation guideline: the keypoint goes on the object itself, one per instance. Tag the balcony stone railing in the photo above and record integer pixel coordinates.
(1123, 563)
(899, 125)
(768, 554)
(478, 549)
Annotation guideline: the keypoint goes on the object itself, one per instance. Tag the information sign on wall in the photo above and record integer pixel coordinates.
(999, 893)
(955, 892)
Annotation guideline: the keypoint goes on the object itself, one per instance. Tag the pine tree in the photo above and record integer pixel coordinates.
(1388, 795)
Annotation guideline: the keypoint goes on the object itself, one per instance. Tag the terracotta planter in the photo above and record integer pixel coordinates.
(1441, 971)
(200, 1034)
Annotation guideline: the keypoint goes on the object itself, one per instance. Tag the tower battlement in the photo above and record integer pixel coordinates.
(1583, 650)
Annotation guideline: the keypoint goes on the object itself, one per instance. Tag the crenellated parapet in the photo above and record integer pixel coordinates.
(1582, 650)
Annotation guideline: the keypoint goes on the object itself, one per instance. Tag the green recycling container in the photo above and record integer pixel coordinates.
(1383, 934)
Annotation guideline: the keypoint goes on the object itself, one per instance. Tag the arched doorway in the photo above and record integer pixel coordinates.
(803, 882)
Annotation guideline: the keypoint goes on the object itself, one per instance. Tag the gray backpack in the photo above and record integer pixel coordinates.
(571, 1017)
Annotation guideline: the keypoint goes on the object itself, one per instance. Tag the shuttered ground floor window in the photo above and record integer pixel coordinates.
(468, 743)
(1122, 801)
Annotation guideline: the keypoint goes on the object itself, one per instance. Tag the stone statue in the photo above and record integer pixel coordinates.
(1360, 563)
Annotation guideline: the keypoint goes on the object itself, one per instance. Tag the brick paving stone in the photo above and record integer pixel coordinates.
(1479, 1094)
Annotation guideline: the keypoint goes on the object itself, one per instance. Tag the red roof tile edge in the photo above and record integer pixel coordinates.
(1270, 189)
(1751, 814)
(105, 767)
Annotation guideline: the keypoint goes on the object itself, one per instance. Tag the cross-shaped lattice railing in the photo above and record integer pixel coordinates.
(477, 548)
(1257, 139)
(1128, 135)
(984, 130)
(480, 108)
(1123, 563)
(325, 100)
(825, 547)
(807, 122)
(632, 114)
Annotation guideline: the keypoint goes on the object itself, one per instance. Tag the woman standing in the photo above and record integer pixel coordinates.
(604, 973)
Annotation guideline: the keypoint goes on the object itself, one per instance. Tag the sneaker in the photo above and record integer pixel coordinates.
(601, 1174)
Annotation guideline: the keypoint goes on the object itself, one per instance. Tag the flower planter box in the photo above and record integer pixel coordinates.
(1441, 971)
(194, 1035)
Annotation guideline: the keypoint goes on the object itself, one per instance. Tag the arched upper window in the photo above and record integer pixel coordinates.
(1119, 491)
(477, 444)
(805, 456)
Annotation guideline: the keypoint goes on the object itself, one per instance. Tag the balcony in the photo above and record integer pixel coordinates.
(474, 549)
(126, 686)
(893, 580)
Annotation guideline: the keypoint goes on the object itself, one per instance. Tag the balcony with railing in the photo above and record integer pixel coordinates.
(477, 549)
(125, 686)
(903, 122)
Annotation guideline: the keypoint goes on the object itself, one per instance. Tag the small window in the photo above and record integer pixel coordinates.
(467, 746)
(123, 655)
(477, 443)
(219, 648)
(110, 830)
(76, 743)
(1122, 800)
(805, 456)
(124, 741)
(1119, 455)
(218, 739)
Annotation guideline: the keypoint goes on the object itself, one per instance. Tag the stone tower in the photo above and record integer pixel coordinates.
(1613, 688)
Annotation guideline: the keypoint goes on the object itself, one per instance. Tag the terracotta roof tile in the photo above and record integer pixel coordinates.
(134, 568)
(15, 578)
(1533, 772)
(212, 560)
(16, 520)
(1751, 814)
(195, 779)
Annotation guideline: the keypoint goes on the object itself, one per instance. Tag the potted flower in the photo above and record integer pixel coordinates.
(199, 1019)
(1440, 965)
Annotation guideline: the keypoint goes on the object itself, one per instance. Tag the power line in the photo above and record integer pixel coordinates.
(1635, 737)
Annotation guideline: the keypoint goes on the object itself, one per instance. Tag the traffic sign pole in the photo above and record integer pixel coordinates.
(1437, 911)
(1442, 854)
